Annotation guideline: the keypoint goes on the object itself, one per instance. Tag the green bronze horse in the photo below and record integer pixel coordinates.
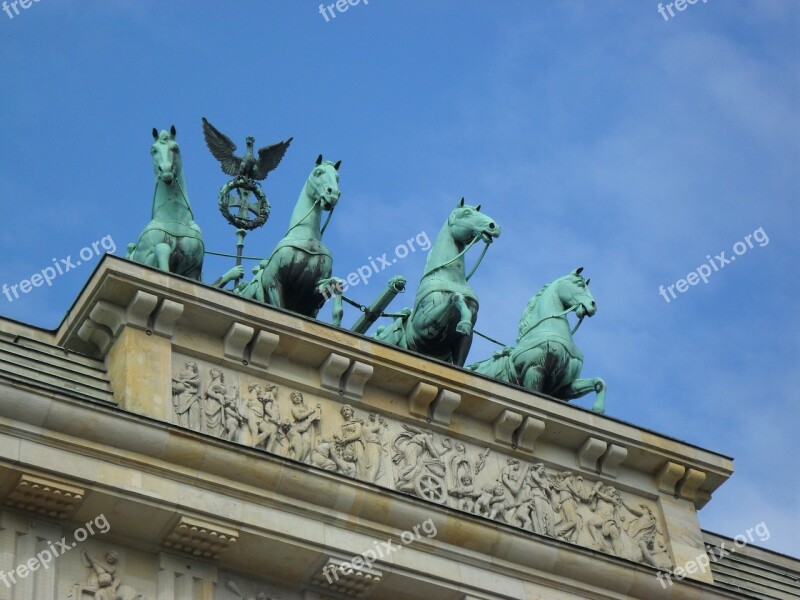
(297, 274)
(446, 307)
(171, 241)
(545, 358)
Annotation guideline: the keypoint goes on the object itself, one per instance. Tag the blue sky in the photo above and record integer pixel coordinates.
(597, 134)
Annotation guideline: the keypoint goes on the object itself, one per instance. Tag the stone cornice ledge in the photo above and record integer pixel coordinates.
(121, 293)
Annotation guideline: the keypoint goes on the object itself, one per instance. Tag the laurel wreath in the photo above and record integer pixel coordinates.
(237, 221)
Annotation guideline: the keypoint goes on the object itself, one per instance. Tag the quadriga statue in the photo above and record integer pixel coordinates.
(297, 274)
(446, 307)
(546, 358)
(172, 241)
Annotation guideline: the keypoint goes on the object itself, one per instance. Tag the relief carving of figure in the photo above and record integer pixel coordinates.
(521, 514)
(420, 469)
(412, 449)
(374, 431)
(458, 464)
(569, 491)
(513, 477)
(464, 493)
(261, 417)
(490, 501)
(234, 414)
(542, 516)
(186, 397)
(349, 441)
(646, 536)
(606, 522)
(459, 470)
(104, 581)
(306, 425)
(214, 402)
(289, 444)
(326, 457)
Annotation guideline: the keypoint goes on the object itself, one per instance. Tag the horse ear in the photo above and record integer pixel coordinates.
(461, 202)
(478, 208)
(578, 271)
(319, 160)
(588, 281)
(155, 133)
(172, 131)
(337, 165)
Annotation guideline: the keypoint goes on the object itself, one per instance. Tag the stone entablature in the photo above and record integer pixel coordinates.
(153, 328)
(124, 298)
(242, 407)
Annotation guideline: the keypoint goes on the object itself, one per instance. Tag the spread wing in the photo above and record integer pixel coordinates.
(270, 157)
(222, 148)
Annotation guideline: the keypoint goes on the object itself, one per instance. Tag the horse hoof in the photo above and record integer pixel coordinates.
(464, 327)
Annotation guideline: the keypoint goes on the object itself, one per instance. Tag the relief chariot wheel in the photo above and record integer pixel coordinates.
(430, 487)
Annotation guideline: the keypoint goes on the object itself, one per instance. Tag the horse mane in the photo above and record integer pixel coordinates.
(527, 315)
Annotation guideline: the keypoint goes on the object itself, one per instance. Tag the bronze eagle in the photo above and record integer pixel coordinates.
(247, 166)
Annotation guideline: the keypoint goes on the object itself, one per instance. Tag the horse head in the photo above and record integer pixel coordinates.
(573, 290)
(467, 223)
(323, 184)
(166, 155)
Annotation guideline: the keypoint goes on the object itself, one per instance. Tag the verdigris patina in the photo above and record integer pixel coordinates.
(546, 358)
(445, 307)
(246, 172)
(172, 241)
(297, 275)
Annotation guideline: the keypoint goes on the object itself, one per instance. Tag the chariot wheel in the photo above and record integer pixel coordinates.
(431, 488)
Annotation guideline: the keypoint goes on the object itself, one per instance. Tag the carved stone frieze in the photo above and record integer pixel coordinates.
(311, 428)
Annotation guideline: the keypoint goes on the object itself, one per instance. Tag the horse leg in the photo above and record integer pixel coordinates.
(332, 287)
(338, 310)
(193, 254)
(464, 326)
(581, 387)
(534, 378)
(273, 295)
(162, 252)
(461, 349)
(196, 273)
